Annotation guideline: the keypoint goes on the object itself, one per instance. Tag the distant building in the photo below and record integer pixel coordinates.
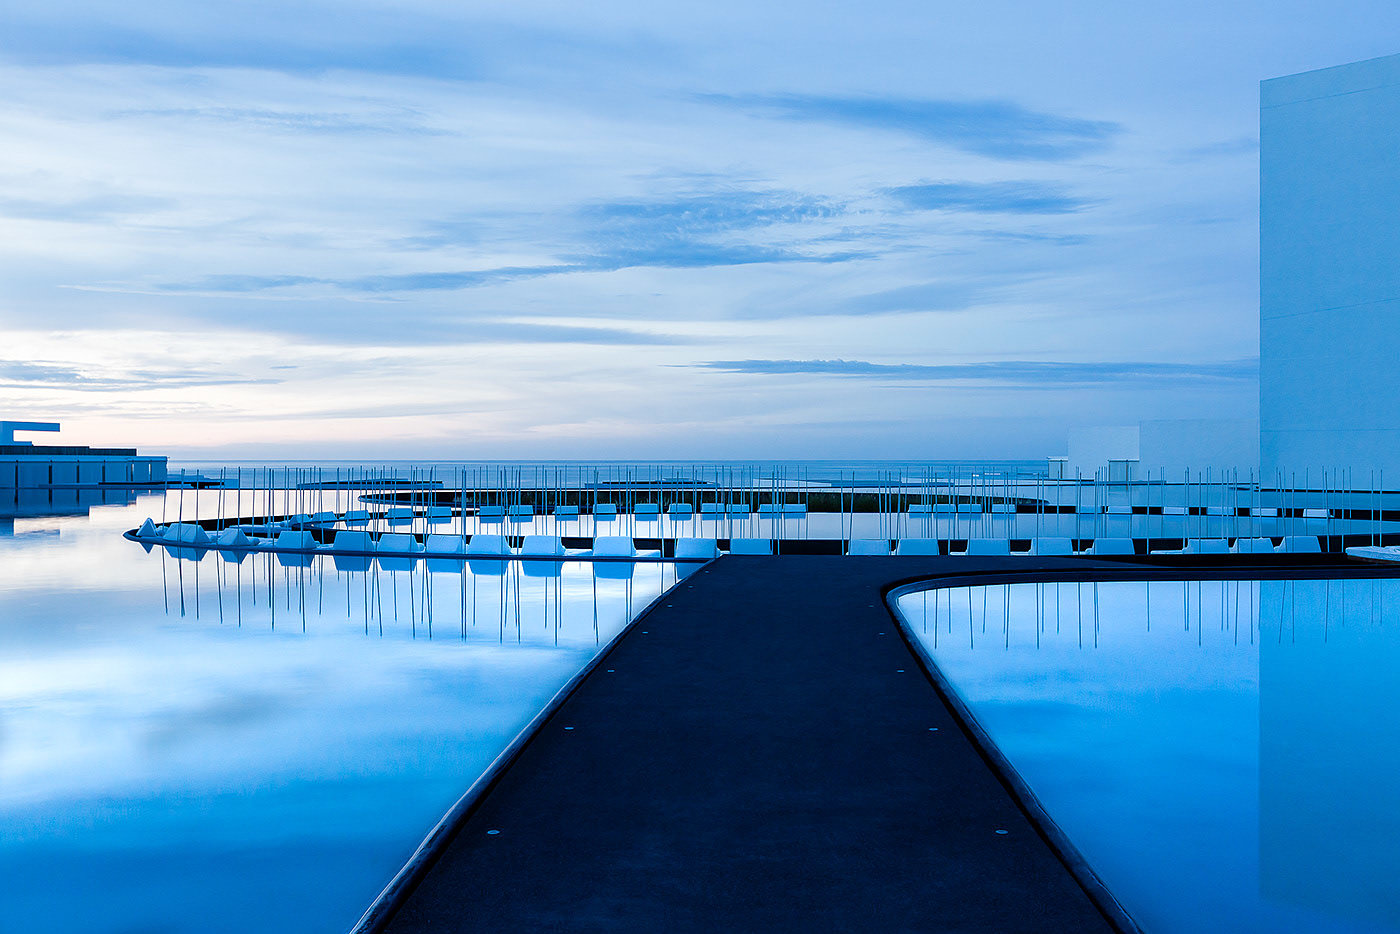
(1329, 269)
(1165, 449)
(26, 467)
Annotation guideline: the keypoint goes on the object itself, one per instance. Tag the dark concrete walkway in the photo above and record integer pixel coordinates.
(761, 752)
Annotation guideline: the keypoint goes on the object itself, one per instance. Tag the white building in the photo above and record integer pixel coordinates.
(1329, 303)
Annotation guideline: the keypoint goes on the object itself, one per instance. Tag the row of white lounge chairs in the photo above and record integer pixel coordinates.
(358, 541)
(992, 547)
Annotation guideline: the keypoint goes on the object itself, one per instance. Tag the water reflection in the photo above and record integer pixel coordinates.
(1222, 752)
(466, 593)
(218, 741)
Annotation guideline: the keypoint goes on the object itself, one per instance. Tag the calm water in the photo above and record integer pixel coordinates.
(217, 746)
(1223, 754)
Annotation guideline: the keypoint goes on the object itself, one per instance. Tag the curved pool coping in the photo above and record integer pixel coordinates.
(960, 572)
(1016, 786)
(401, 886)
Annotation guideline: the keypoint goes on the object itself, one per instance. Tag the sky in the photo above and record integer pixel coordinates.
(637, 231)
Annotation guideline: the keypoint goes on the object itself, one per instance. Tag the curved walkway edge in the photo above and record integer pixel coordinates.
(762, 750)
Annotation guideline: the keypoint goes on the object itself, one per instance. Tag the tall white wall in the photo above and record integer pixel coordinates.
(1329, 303)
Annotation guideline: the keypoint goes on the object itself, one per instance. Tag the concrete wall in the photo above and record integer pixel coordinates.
(67, 470)
(1090, 449)
(1195, 444)
(1329, 304)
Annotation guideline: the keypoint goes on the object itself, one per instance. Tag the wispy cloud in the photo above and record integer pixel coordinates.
(34, 41)
(22, 374)
(706, 213)
(406, 123)
(1226, 148)
(1000, 129)
(81, 210)
(533, 333)
(927, 296)
(698, 231)
(989, 197)
(1025, 373)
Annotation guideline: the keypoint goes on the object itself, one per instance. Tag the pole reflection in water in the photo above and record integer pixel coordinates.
(215, 742)
(1233, 772)
(413, 591)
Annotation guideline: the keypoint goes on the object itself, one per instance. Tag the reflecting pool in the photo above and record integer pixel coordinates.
(194, 742)
(1224, 754)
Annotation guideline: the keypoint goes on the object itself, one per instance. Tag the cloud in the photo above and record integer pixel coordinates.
(1025, 373)
(238, 283)
(22, 374)
(32, 41)
(687, 232)
(522, 332)
(928, 296)
(293, 121)
(1000, 129)
(988, 197)
(1240, 146)
(83, 210)
(712, 212)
